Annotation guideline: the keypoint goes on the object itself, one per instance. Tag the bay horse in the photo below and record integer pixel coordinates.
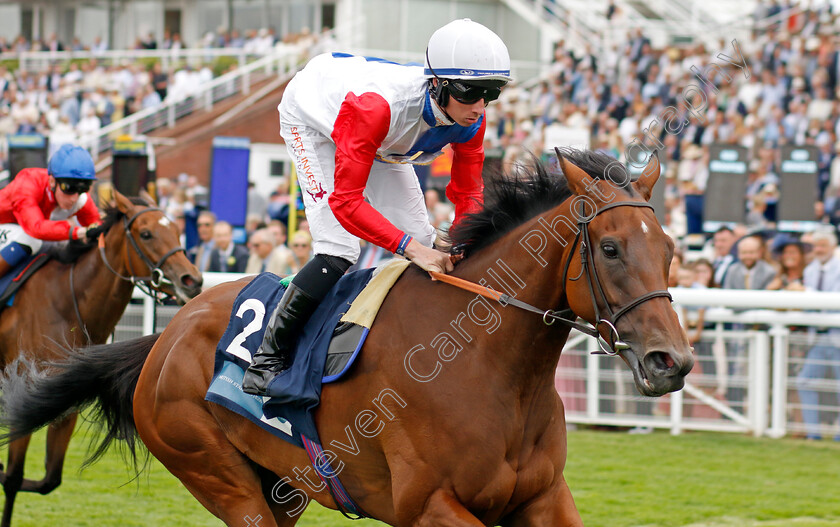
(77, 299)
(450, 417)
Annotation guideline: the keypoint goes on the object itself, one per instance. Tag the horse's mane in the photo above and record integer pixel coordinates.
(512, 199)
(72, 251)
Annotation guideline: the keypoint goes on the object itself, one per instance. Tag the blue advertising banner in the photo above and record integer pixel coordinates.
(229, 179)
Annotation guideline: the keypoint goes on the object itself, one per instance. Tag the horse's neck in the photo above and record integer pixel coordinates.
(527, 264)
(101, 294)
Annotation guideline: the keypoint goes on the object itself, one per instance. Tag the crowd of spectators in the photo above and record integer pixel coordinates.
(76, 98)
(787, 94)
(65, 104)
(252, 41)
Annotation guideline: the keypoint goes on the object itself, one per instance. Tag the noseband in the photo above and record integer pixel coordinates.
(568, 317)
(156, 276)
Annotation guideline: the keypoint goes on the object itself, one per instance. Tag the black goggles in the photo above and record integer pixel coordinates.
(74, 186)
(469, 94)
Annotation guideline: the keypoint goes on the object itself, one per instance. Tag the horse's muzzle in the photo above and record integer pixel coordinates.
(659, 372)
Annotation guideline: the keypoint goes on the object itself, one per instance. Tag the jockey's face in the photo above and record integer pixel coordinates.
(65, 201)
(465, 114)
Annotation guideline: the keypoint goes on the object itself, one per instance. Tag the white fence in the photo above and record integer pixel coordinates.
(745, 379)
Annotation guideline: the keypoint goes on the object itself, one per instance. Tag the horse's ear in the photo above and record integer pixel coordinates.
(145, 196)
(579, 181)
(105, 191)
(650, 175)
(123, 203)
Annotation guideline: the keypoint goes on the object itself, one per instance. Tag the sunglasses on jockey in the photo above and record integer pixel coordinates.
(466, 93)
(74, 186)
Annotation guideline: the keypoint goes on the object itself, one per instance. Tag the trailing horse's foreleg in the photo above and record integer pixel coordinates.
(555, 507)
(58, 439)
(13, 477)
(442, 510)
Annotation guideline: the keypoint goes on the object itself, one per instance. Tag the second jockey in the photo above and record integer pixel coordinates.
(354, 126)
(40, 204)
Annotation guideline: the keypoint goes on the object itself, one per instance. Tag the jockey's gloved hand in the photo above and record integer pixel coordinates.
(92, 232)
(442, 242)
(427, 258)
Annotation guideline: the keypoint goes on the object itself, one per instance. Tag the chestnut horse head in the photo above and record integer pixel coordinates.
(151, 253)
(598, 235)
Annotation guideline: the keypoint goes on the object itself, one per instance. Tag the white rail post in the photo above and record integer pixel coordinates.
(94, 146)
(170, 115)
(148, 315)
(592, 379)
(778, 404)
(676, 412)
(751, 399)
(761, 385)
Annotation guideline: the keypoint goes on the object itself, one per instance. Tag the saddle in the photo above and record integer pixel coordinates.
(15, 278)
(325, 351)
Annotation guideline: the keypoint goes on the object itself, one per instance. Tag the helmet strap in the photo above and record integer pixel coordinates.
(439, 92)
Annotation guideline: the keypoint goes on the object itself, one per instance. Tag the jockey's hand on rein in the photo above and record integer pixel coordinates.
(427, 258)
(93, 231)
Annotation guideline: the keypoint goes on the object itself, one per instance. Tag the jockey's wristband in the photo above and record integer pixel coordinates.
(406, 239)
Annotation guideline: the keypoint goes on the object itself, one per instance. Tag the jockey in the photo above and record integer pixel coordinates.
(39, 204)
(353, 126)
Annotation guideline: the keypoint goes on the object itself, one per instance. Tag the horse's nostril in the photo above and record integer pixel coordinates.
(660, 361)
(190, 282)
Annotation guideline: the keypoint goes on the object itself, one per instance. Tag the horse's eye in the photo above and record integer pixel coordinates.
(146, 235)
(609, 250)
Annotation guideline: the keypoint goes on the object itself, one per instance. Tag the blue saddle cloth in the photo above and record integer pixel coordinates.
(295, 393)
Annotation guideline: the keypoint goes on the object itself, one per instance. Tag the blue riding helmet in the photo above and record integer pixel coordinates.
(72, 162)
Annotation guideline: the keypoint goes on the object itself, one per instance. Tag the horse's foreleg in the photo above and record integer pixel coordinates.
(208, 465)
(12, 478)
(58, 438)
(442, 510)
(555, 507)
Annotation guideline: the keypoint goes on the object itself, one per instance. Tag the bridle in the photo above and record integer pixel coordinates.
(567, 317)
(148, 284)
(587, 263)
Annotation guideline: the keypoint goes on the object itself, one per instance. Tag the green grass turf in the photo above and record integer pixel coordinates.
(696, 479)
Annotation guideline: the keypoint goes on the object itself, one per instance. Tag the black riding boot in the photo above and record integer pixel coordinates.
(274, 354)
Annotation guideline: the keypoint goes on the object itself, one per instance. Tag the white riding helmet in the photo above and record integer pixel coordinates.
(466, 50)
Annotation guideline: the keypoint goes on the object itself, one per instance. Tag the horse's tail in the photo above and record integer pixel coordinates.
(34, 396)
